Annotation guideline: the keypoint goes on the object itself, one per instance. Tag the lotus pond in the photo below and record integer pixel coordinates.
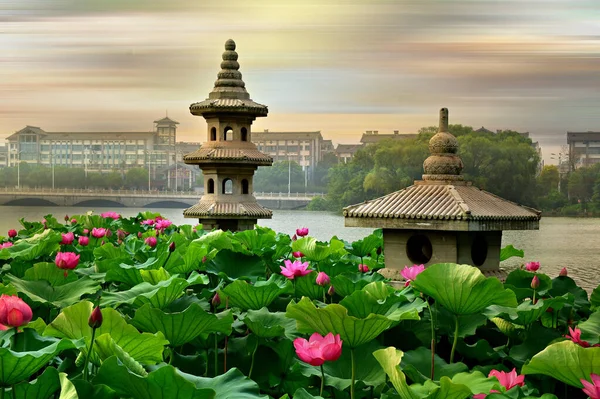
(101, 306)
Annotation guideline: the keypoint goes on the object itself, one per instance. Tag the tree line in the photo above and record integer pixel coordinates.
(504, 164)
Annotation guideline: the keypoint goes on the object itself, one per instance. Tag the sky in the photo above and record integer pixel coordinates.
(338, 66)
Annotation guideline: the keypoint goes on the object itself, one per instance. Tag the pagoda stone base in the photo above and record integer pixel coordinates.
(228, 224)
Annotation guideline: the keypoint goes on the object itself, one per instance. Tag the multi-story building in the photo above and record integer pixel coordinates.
(584, 148)
(95, 151)
(373, 136)
(345, 152)
(305, 148)
(3, 156)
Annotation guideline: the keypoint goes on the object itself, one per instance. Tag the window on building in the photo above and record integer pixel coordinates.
(44, 147)
(419, 249)
(227, 186)
(130, 148)
(245, 186)
(210, 186)
(213, 134)
(228, 134)
(244, 134)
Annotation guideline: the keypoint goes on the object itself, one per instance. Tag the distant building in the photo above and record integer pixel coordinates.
(3, 156)
(327, 147)
(483, 130)
(345, 152)
(373, 136)
(305, 148)
(95, 151)
(584, 149)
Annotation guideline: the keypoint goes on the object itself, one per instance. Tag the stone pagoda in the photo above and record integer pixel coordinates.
(442, 218)
(228, 158)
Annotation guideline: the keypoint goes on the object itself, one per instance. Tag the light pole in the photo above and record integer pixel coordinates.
(18, 154)
(52, 166)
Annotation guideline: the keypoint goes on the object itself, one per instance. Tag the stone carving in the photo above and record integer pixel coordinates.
(443, 146)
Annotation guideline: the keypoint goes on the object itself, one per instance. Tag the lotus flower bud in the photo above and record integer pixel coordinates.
(139, 234)
(322, 279)
(83, 241)
(204, 259)
(95, 319)
(151, 242)
(331, 291)
(67, 218)
(535, 283)
(294, 238)
(297, 254)
(379, 251)
(12, 233)
(73, 221)
(363, 268)
(216, 300)
(563, 272)
(172, 246)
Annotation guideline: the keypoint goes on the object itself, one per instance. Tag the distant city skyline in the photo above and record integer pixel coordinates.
(341, 67)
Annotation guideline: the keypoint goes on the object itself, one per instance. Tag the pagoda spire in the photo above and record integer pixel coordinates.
(229, 82)
(444, 163)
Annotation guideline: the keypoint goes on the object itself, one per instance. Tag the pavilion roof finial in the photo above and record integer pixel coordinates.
(443, 164)
(229, 82)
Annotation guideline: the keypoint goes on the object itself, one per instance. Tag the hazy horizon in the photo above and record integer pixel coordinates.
(341, 67)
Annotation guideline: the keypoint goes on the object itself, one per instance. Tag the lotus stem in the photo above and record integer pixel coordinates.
(216, 355)
(322, 381)
(166, 260)
(533, 300)
(353, 361)
(14, 394)
(455, 339)
(2, 392)
(432, 339)
(252, 361)
(87, 356)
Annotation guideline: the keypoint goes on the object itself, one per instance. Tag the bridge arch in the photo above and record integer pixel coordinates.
(30, 202)
(167, 204)
(99, 203)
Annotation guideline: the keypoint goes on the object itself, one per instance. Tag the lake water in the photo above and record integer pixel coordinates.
(560, 242)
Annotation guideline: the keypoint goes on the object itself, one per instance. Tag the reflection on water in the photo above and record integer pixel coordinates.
(561, 242)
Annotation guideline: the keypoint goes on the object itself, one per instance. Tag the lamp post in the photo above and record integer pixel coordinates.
(18, 154)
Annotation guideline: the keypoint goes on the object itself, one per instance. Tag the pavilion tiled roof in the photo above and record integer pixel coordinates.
(227, 154)
(251, 210)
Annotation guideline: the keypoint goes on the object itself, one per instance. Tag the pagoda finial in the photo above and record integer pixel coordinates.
(229, 82)
(443, 163)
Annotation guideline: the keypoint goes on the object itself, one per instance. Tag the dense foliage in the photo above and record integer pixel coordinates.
(504, 163)
(105, 307)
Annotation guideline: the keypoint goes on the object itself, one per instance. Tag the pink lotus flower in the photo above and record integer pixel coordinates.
(297, 254)
(411, 273)
(86, 232)
(151, 242)
(14, 312)
(121, 234)
(592, 389)
(302, 232)
(162, 224)
(66, 260)
(296, 269)
(110, 215)
(216, 300)
(12, 233)
(532, 266)
(575, 336)
(563, 272)
(318, 350)
(322, 279)
(73, 221)
(83, 241)
(6, 245)
(363, 268)
(148, 222)
(67, 239)
(98, 232)
(508, 380)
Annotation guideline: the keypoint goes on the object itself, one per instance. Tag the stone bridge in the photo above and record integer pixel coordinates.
(135, 198)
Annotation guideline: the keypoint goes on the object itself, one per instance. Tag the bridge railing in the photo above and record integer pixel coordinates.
(153, 193)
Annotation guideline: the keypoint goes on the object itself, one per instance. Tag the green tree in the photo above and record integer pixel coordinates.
(137, 178)
(548, 179)
(275, 178)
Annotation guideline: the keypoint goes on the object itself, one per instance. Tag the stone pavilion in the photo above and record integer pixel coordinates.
(442, 218)
(228, 158)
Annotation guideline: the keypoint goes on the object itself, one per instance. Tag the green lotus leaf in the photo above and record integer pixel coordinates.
(218, 239)
(477, 382)
(334, 318)
(182, 327)
(467, 324)
(154, 276)
(590, 329)
(158, 295)
(389, 359)
(256, 241)
(267, 324)
(506, 327)
(565, 361)
(59, 296)
(89, 391)
(105, 347)
(109, 256)
(67, 389)
(232, 384)
(27, 249)
(50, 273)
(18, 366)
(366, 246)
(163, 383)
(307, 286)
(562, 285)
(196, 278)
(481, 351)
(380, 298)
(416, 364)
(462, 289)
(41, 388)
(72, 323)
(123, 273)
(509, 251)
(338, 374)
(246, 296)
(301, 394)
(315, 251)
(519, 281)
(595, 298)
(527, 313)
(233, 266)
(192, 259)
(346, 283)
(537, 338)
